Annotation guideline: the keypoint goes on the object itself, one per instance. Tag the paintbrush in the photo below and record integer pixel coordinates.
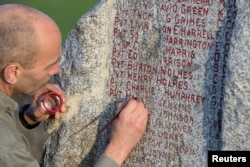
(112, 120)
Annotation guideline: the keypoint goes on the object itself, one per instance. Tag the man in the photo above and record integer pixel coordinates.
(30, 46)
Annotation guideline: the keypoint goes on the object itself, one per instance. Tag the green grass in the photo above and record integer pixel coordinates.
(64, 13)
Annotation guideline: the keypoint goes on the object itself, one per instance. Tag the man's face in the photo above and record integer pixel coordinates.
(46, 59)
(45, 67)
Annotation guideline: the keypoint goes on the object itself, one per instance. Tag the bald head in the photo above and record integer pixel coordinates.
(23, 31)
(26, 12)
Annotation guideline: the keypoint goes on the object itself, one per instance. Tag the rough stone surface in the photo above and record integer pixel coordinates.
(186, 59)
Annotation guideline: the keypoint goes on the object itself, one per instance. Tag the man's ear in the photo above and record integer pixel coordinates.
(11, 73)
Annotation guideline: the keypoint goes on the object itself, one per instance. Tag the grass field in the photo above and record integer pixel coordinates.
(65, 13)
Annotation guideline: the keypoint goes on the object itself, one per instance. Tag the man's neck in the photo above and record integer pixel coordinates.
(5, 89)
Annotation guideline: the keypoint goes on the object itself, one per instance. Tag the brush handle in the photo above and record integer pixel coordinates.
(112, 120)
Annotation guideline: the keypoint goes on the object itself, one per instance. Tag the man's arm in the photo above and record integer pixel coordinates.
(128, 129)
(105, 161)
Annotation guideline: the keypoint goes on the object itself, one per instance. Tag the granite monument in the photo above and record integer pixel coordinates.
(188, 60)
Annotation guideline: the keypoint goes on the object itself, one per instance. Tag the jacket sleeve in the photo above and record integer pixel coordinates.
(18, 158)
(105, 161)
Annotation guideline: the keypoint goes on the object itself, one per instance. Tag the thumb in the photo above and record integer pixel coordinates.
(39, 114)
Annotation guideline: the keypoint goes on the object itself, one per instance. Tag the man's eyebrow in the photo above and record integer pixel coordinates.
(53, 63)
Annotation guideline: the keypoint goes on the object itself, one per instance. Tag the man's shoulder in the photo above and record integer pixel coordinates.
(11, 139)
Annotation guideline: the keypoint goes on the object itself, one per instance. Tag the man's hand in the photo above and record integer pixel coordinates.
(36, 113)
(127, 131)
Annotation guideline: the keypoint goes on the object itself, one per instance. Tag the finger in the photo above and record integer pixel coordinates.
(63, 108)
(57, 115)
(131, 106)
(121, 106)
(49, 87)
(139, 109)
(142, 121)
(40, 114)
(143, 116)
(56, 89)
